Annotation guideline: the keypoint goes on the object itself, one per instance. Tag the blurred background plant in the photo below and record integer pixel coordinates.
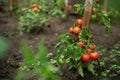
(114, 10)
(38, 13)
(3, 46)
(36, 64)
(110, 64)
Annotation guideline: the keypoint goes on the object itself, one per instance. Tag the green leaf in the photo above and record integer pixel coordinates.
(72, 62)
(87, 32)
(80, 69)
(106, 21)
(90, 67)
(27, 54)
(41, 55)
(59, 52)
(78, 54)
(69, 49)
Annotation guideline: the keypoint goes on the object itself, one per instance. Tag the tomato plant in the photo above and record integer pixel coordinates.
(39, 14)
(75, 48)
(33, 18)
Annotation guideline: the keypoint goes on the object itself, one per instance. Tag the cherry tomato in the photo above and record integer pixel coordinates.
(34, 5)
(76, 30)
(89, 50)
(94, 56)
(71, 30)
(35, 9)
(85, 58)
(79, 23)
(97, 1)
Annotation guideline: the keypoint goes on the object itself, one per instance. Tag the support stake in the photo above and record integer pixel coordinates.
(87, 14)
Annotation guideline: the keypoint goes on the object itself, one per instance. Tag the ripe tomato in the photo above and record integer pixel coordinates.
(94, 10)
(85, 58)
(79, 23)
(76, 30)
(35, 9)
(94, 56)
(92, 47)
(71, 30)
(81, 44)
(97, 1)
(34, 5)
(89, 50)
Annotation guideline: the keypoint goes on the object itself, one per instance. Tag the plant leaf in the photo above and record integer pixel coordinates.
(87, 32)
(69, 49)
(80, 69)
(90, 67)
(72, 62)
(106, 21)
(78, 54)
(27, 54)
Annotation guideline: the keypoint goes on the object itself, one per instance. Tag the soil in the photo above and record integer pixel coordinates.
(11, 62)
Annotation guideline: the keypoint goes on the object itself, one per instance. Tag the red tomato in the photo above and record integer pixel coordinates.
(79, 22)
(71, 30)
(92, 47)
(76, 30)
(85, 58)
(90, 50)
(35, 9)
(81, 44)
(97, 1)
(34, 5)
(94, 56)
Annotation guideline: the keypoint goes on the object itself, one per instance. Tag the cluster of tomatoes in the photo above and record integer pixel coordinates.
(91, 54)
(76, 29)
(36, 8)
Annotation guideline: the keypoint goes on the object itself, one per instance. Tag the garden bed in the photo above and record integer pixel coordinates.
(11, 62)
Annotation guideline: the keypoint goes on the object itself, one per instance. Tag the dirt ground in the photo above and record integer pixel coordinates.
(9, 29)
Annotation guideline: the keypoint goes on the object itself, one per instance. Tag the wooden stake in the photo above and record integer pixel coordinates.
(105, 5)
(87, 14)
